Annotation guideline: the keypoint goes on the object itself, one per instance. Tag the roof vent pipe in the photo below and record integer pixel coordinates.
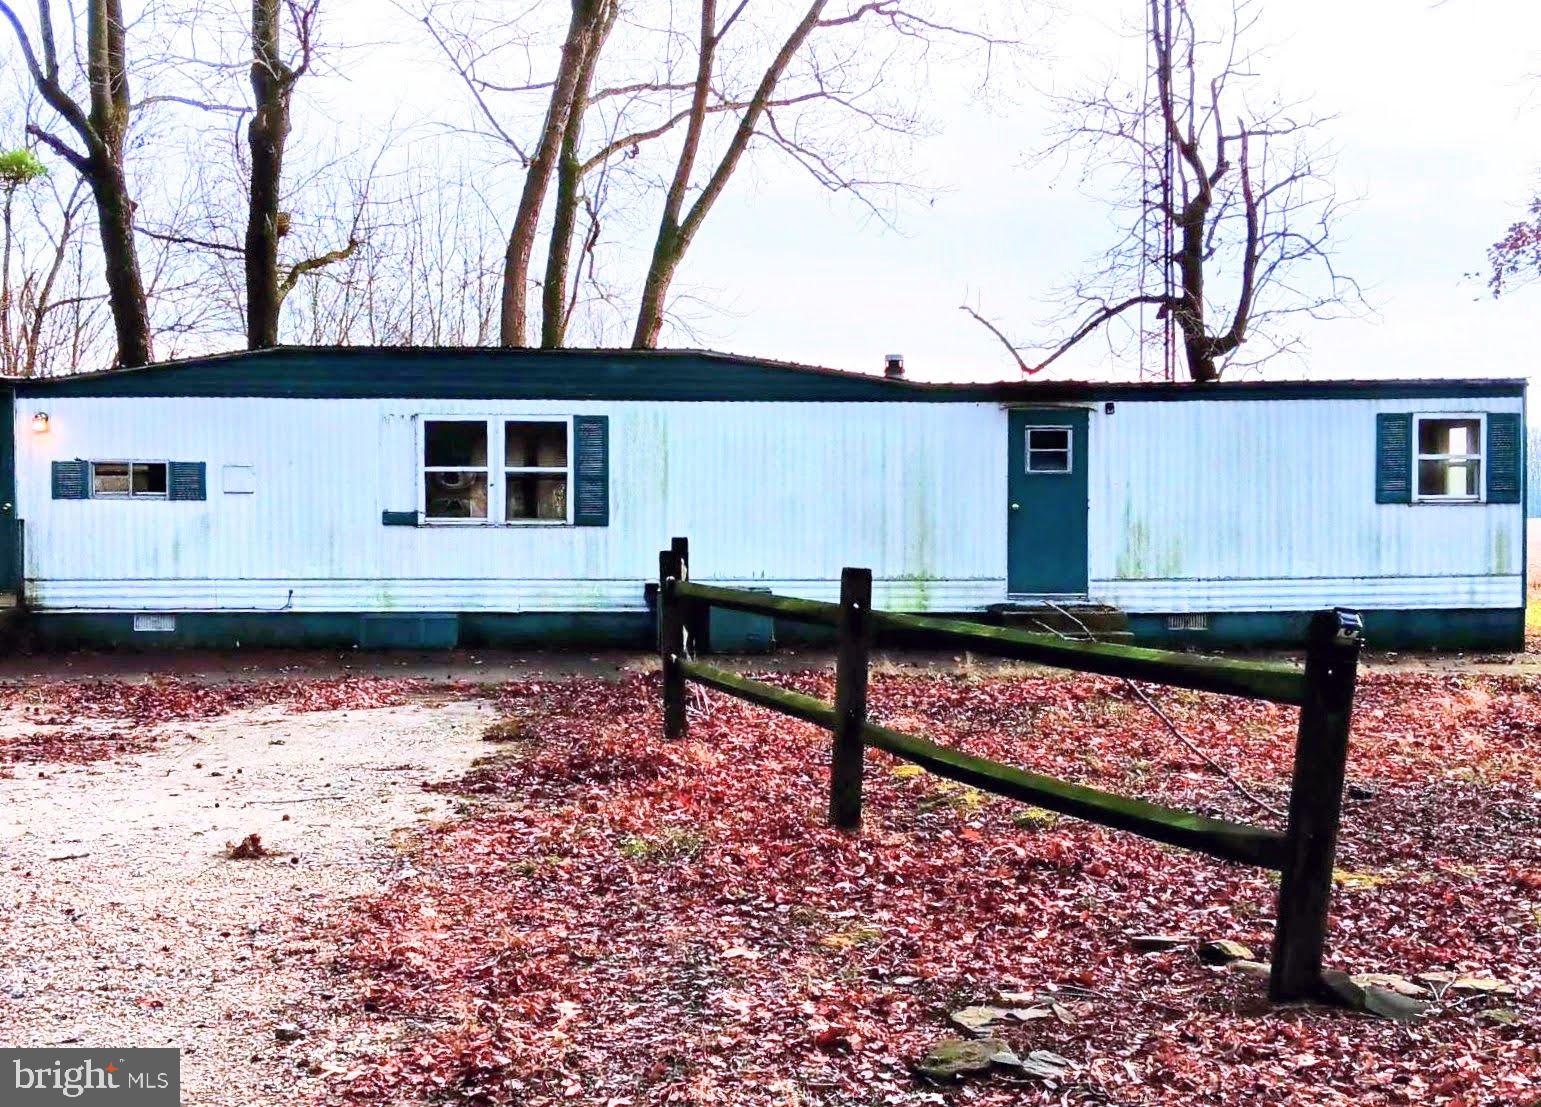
(893, 366)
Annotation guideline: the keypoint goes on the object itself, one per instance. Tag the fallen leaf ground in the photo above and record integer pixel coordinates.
(80, 721)
(617, 920)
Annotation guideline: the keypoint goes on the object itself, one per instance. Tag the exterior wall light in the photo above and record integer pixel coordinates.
(40, 423)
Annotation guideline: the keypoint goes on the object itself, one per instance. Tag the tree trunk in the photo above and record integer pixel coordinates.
(102, 130)
(674, 232)
(271, 83)
(521, 239)
(569, 183)
(10, 356)
(120, 258)
(1197, 345)
(107, 76)
(667, 253)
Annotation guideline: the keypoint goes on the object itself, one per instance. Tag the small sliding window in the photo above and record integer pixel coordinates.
(128, 480)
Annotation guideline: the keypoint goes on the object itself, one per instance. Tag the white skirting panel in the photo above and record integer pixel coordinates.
(463, 595)
(1303, 594)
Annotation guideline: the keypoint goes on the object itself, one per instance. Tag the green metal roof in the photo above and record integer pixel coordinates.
(422, 372)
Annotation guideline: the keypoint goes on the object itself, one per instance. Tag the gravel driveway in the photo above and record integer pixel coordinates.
(123, 922)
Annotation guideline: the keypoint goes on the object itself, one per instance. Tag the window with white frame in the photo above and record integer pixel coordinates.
(456, 476)
(128, 480)
(535, 470)
(1048, 449)
(505, 470)
(1448, 465)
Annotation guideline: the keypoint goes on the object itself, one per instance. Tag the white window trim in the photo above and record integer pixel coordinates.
(496, 469)
(535, 470)
(1480, 456)
(424, 469)
(1027, 450)
(130, 494)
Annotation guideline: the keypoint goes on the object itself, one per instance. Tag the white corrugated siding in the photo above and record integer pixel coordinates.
(1270, 505)
(1195, 506)
(780, 495)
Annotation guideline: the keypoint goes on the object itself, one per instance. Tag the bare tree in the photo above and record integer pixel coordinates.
(101, 126)
(585, 34)
(555, 304)
(678, 227)
(19, 169)
(1227, 207)
(52, 313)
(428, 270)
(816, 65)
(239, 72)
(273, 78)
(674, 113)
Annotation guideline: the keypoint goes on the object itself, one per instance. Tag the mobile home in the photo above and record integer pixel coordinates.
(433, 497)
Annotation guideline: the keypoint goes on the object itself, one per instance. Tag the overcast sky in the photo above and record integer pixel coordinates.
(1438, 124)
(1439, 127)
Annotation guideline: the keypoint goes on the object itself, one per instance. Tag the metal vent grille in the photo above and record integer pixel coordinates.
(1187, 622)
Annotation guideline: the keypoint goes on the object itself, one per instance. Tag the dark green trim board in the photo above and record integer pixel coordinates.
(1505, 458)
(591, 470)
(412, 372)
(398, 518)
(1465, 629)
(1498, 628)
(1394, 458)
(408, 632)
(345, 630)
(70, 480)
(187, 480)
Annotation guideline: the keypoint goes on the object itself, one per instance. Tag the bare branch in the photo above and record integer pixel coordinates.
(310, 265)
(188, 240)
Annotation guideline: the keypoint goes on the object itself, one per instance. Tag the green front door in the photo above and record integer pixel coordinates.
(1046, 509)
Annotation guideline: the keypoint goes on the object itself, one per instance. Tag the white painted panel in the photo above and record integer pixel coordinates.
(1270, 505)
(238, 480)
(785, 494)
(1195, 505)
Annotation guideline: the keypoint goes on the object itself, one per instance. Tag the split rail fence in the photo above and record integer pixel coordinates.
(1303, 854)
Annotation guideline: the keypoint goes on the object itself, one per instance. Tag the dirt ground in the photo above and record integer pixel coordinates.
(492, 666)
(122, 922)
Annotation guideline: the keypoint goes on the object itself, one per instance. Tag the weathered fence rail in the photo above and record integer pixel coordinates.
(1303, 853)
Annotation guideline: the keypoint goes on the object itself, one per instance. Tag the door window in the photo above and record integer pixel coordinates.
(1048, 449)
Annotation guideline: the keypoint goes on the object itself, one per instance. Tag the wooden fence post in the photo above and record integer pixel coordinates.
(851, 662)
(671, 643)
(696, 616)
(1316, 803)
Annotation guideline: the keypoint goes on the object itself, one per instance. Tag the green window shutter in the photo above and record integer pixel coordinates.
(398, 518)
(1393, 459)
(591, 470)
(186, 480)
(72, 480)
(1505, 458)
